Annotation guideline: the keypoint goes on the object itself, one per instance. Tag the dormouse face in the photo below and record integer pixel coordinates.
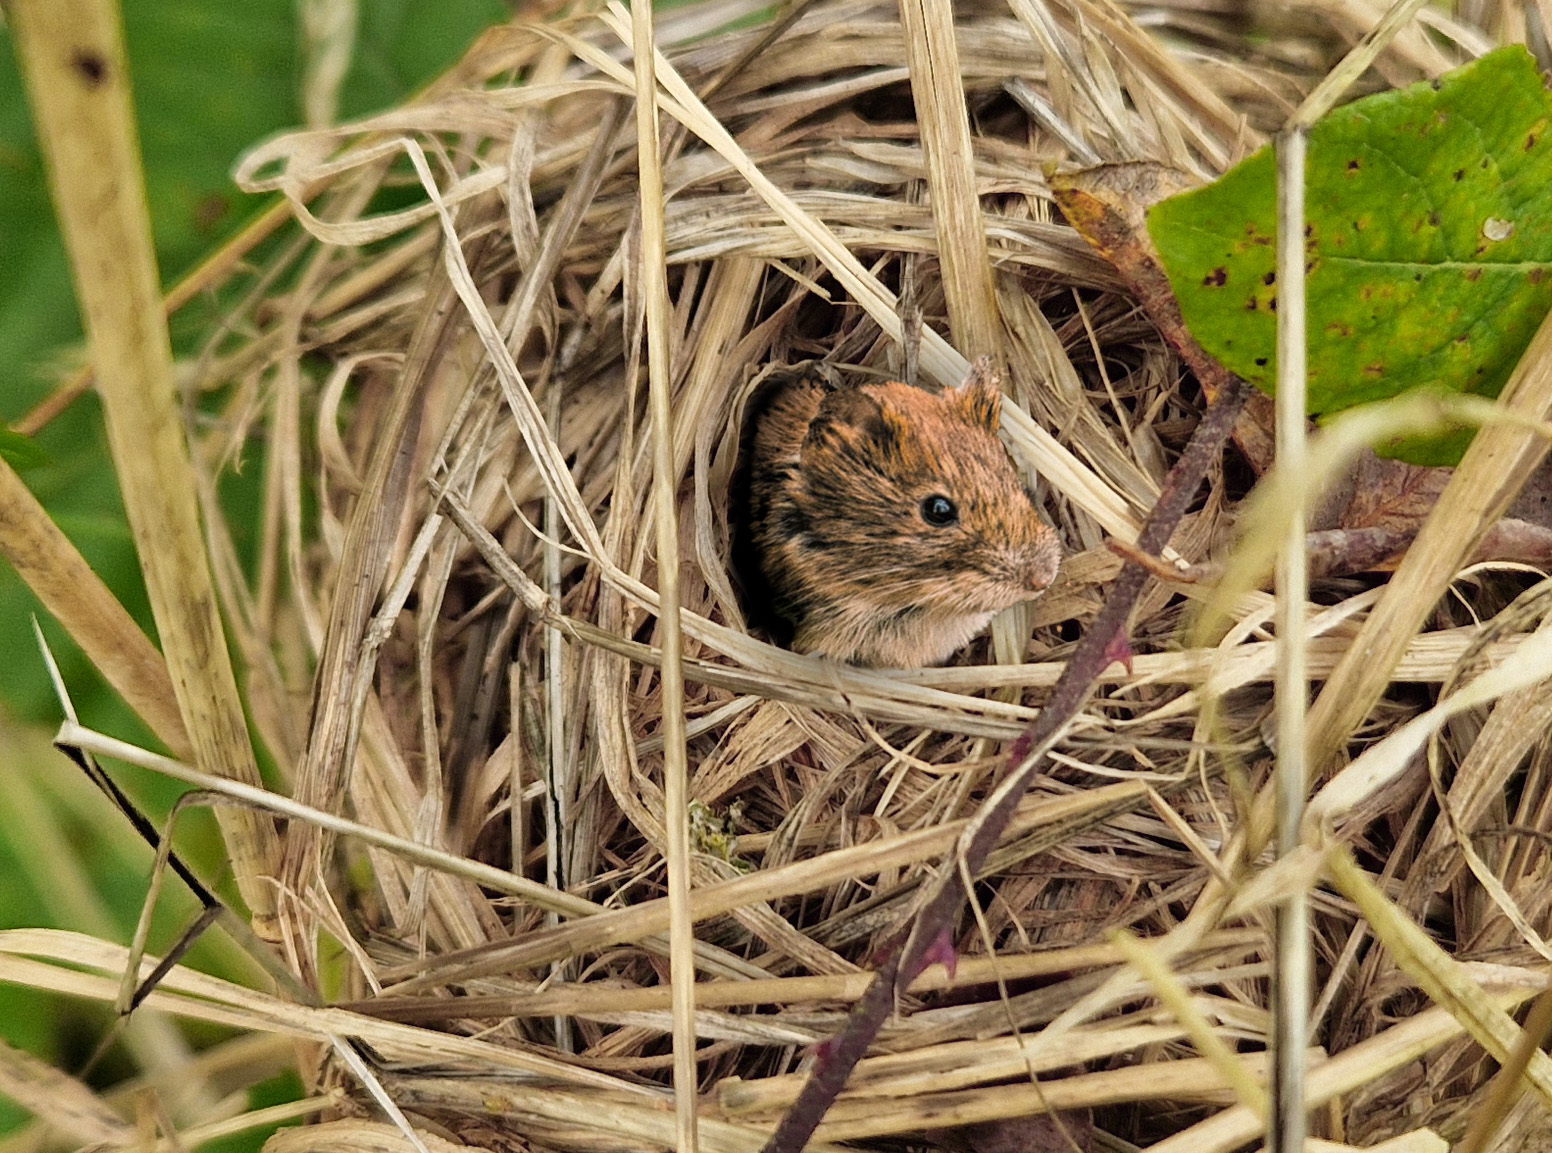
(916, 496)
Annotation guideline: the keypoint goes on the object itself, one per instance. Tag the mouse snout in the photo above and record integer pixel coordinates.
(1029, 568)
(1040, 568)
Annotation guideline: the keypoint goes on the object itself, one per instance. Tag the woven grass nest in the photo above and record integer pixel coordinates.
(444, 375)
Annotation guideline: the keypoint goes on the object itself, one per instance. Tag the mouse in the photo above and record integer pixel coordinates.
(886, 524)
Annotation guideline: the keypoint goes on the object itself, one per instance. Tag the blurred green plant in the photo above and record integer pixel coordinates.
(21, 452)
(209, 78)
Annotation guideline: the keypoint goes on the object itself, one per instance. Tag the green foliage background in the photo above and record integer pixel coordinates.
(210, 77)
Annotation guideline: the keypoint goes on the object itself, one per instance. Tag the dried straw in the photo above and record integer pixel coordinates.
(477, 363)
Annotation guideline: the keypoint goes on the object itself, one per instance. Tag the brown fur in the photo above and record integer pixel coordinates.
(837, 478)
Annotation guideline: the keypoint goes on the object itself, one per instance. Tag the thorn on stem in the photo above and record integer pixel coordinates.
(1119, 648)
(942, 952)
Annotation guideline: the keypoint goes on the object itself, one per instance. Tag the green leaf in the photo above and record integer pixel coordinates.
(1428, 241)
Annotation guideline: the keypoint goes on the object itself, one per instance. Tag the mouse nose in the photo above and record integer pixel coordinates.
(1040, 569)
(1029, 569)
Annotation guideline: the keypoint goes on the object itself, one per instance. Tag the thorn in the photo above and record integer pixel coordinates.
(942, 952)
(1119, 649)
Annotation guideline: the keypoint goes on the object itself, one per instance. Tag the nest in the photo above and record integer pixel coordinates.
(445, 378)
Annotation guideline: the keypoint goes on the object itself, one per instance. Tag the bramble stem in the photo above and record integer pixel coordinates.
(1095, 653)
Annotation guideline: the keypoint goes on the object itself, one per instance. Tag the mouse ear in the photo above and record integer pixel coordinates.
(847, 418)
(980, 396)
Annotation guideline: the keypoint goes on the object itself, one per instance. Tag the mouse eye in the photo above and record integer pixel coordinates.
(938, 511)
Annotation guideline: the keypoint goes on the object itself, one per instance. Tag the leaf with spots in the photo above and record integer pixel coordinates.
(1428, 238)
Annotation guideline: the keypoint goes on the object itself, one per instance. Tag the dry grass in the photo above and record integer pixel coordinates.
(451, 637)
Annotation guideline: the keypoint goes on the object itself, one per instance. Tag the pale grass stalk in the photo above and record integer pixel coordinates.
(1287, 1123)
(557, 787)
(59, 576)
(328, 44)
(1507, 1085)
(1333, 87)
(1188, 1079)
(585, 999)
(358, 1067)
(77, 76)
(1346, 1072)
(1446, 982)
(353, 1136)
(54, 960)
(1384, 761)
(69, 1106)
(517, 814)
(884, 1081)
(665, 491)
(932, 53)
(193, 1136)
(1174, 996)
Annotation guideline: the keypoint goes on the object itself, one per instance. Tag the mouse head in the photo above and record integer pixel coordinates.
(912, 500)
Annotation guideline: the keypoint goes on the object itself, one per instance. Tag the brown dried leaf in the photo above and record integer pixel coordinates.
(1392, 495)
(1383, 503)
(1108, 205)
